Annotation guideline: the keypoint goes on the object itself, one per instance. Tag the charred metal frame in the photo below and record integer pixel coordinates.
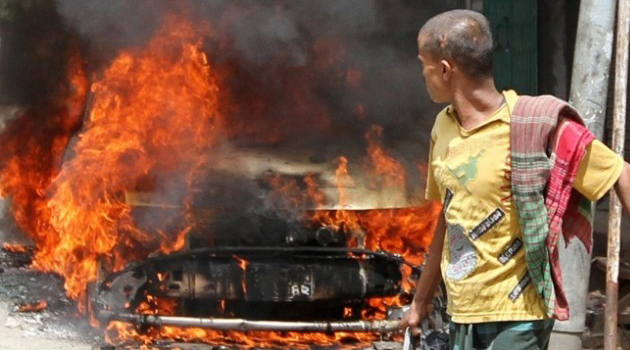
(359, 274)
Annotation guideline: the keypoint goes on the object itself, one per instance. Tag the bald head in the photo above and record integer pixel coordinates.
(461, 37)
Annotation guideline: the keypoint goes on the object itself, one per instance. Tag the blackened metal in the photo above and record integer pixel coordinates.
(327, 236)
(231, 251)
(256, 282)
(258, 277)
(324, 236)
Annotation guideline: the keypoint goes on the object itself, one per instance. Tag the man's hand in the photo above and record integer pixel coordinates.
(415, 315)
(623, 188)
(427, 283)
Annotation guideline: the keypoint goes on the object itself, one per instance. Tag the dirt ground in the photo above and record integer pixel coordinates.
(16, 335)
(57, 326)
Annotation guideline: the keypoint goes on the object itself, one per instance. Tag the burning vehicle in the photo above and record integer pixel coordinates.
(184, 195)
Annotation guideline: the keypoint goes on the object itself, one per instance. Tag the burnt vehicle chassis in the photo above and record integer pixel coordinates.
(255, 288)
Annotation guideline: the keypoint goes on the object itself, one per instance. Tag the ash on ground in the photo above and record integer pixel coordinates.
(33, 304)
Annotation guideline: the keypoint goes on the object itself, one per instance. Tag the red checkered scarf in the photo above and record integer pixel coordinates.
(548, 142)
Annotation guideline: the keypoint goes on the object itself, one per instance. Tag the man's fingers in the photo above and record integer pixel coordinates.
(410, 319)
(404, 321)
(413, 321)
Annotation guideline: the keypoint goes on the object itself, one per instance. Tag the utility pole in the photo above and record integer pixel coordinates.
(619, 128)
(588, 94)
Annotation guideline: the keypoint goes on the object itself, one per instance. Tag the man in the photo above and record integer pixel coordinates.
(512, 173)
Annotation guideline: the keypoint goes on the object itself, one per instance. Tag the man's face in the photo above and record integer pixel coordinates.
(436, 77)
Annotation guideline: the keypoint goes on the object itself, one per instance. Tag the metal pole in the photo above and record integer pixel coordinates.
(614, 221)
(242, 325)
(588, 94)
(591, 63)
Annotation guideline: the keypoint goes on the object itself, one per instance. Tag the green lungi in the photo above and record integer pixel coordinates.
(516, 335)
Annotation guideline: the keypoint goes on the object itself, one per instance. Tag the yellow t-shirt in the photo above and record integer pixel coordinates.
(483, 262)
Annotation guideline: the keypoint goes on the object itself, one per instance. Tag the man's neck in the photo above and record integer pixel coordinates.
(476, 102)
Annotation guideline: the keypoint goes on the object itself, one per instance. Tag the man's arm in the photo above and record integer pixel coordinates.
(429, 279)
(622, 187)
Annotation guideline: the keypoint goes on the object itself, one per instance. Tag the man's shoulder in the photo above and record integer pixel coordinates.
(444, 120)
(445, 115)
(541, 105)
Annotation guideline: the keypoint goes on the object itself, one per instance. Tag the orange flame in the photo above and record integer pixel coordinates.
(154, 114)
(387, 169)
(157, 306)
(33, 150)
(343, 180)
(34, 307)
(242, 263)
(117, 331)
(14, 248)
(314, 192)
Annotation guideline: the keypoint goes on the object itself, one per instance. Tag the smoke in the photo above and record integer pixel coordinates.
(317, 62)
(310, 75)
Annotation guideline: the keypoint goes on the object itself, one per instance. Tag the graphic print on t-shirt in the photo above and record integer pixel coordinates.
(447, 199)
(466, 171)
(463, 257)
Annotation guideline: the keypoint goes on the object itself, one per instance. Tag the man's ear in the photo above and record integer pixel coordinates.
(446, 70)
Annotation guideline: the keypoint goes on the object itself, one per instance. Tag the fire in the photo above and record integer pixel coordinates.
(117, 331)
(34, 145)
(154, 117)
(155, 306)
(14, 248)
(34, 307)
(386, 169)
(242, 263)
(318, 197)
(343, 180)
(404, 231)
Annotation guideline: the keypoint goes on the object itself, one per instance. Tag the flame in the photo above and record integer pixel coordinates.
(168, 246)
(34, 145)
(404, 231)
(242, 263)
(154, 114)
(118, 331)
(313, 191)
(391, 172)
(341, 219)
(34, 307)
(157, 306)
(14, 248)
(343, 180)
(286, 193)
